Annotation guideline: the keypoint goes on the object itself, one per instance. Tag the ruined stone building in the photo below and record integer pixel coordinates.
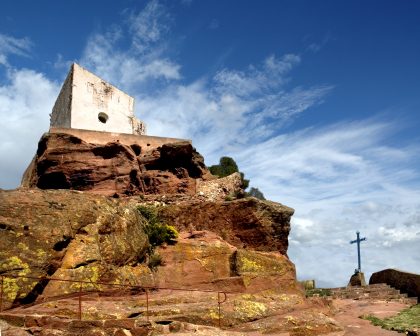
(87, 102)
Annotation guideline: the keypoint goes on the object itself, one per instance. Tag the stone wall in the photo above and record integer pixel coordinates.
(406, 282)
(61, 112)
(100, 138)
(88, 102)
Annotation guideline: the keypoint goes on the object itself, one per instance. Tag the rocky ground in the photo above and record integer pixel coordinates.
(349, 311)
(82, 259)
(195, 313)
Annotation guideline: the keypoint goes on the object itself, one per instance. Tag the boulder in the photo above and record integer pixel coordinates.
(196, 261)
(246, 223)
(404, 281)
(64, 161)
(62, 233)
(265, 271)
(357, 279)
(203, 260)
(220, 189)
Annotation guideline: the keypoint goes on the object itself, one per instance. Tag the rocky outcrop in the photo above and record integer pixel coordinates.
(246, 223)
(59, 244)
(64, 161)
(408, 283)
(220, 189)
(67, 235)
(73, 235)
(203, 260)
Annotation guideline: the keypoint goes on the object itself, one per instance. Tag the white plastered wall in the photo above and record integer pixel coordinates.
(88, 102)
(92, 96)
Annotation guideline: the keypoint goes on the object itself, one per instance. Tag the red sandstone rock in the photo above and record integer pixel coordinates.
(245, 223)
(64, 161)
(56, 232)
(81, 236)
(203, 260)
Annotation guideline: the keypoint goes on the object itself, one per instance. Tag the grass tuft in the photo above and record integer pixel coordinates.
(407, 321)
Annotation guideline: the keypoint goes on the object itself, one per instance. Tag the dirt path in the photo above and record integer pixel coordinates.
(349, 311)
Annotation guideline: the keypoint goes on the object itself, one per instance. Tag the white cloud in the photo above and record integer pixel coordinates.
(148, 26)
(231, 109)
(340, 178)
(142, 64)
(25, 102)
(10, 45)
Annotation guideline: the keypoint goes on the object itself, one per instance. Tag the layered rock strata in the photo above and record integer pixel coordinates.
(246, 223)
(64, 161)
(62, 243)
(82, 236)
(64, 234)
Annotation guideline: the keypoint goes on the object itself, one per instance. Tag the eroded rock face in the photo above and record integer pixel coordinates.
(219, 189)
(195, 261)
(245, 223)
(64, 234)
(64, 161)
(82, 236)
(203, 260)
(237, 247)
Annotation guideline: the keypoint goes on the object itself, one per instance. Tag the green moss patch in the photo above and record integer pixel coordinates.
(318, 292)
(406, 321)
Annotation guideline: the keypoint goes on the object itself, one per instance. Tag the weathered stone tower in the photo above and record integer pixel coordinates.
(87, 102)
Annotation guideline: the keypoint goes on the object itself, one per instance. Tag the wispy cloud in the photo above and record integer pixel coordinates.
(315, 47)
(140, 66)
(10, 45)
(339, 177)
(219, 111)
(342, 178)
(231, 109)
(214, 24)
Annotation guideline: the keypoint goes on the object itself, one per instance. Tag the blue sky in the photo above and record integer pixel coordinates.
(317, 101)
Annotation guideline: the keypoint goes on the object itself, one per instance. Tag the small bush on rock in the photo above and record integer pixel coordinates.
(155, 260)
(158, 232)
(318, 292)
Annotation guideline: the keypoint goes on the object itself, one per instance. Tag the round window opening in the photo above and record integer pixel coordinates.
(103, 117)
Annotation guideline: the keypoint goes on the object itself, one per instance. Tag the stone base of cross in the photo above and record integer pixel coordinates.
(357, 279)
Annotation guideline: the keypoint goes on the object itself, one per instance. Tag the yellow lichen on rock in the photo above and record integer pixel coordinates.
(10, 289)
(249, 310)
(248, 265)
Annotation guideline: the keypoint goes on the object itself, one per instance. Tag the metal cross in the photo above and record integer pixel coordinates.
(358, 240)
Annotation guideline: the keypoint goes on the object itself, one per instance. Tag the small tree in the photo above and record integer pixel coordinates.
(255, 192)
(226, 167)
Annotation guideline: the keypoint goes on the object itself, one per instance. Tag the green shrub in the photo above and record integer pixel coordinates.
(226, 167)
(318, 292)
(255, 192)
(155, 260)
(148, 212)
(229, 198)
(158, 232)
